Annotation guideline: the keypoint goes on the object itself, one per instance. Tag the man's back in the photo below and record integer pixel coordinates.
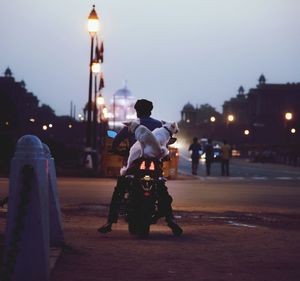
(124, 133)
(225, 151)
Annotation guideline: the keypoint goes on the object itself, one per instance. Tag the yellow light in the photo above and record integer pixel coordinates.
(96, 67)
(93, 22)
(105, 113)
(45, 127)
(246, 132)
(213, 119)
(288, 116)
(230, 118)
(293, 130)
(100, 100)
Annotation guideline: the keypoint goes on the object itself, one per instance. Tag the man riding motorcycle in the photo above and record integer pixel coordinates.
(143, 108)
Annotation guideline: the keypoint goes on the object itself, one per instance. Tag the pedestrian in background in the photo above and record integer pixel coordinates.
(209, 155)
(225, 157)
(195, 149)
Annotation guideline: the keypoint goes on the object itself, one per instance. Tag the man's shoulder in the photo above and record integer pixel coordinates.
(149, 121)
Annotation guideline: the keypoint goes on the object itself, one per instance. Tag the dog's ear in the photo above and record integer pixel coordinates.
(163, 122)
(175, 127)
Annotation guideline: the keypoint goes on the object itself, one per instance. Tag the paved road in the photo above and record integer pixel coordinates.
(190, 194)
(243, 169)
(233, 230)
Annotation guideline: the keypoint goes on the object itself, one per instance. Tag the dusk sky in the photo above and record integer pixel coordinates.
(170, 51)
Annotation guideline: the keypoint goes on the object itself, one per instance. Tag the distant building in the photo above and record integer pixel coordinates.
(238, 107)
(21, 114)
(268, 105)
(121, 108)
(267, 115)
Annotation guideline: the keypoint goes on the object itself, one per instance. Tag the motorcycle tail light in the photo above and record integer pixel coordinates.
(152, 166)
(143, 166)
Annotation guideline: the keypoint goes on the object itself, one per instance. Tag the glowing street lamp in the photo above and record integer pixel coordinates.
(288, 116)
(96, 67)
(230, 118)
(246, 132)
(212, 119)
(293, 131)
(93, 28)
(100, 100)
(93, 22)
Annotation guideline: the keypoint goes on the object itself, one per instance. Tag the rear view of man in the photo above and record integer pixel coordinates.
(225, 156)
(143, 109)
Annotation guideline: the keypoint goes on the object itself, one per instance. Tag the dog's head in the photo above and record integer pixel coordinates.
(172, 127)
(132, 125)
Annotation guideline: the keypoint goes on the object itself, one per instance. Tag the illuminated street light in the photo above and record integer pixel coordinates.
(212, 119)
(100, 100)
(93, 22)
(45, 127)
(293, 130)
(50, 125)
(93, 28)
(246, 132)
(288, 116)
(230, 118)
(105, 112)
(96, 67)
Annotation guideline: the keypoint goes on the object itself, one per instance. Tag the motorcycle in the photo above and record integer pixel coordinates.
(143, 190)
(141, 202)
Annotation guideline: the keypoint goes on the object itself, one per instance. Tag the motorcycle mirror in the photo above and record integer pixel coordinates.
(111, 134)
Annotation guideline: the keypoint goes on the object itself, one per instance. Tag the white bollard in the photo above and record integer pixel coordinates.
(56, 229)
(26, 255)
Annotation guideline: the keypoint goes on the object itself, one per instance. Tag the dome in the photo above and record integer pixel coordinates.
(124, 93)
(188, 107)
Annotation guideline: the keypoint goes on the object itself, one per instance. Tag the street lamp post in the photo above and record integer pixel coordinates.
(93, 27)
(212, 120)
(230, 119)
(288, 116)
(96, 68)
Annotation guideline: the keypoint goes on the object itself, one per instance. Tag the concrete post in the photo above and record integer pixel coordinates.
(26, 255)
(56, 229)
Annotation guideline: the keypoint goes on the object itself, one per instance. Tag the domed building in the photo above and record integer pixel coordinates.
(121, 108)
(188, 113)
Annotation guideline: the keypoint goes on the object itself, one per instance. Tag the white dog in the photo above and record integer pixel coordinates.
(149, 144)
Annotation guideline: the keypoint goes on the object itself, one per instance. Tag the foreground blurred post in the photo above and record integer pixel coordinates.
(32, 185)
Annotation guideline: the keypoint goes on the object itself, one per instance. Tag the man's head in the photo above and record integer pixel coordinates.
(143, 108)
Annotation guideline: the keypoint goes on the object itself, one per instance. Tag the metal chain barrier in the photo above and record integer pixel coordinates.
(12, 253)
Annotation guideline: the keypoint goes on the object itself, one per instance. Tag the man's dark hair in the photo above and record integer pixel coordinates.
(143, 108)
(195, 140)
